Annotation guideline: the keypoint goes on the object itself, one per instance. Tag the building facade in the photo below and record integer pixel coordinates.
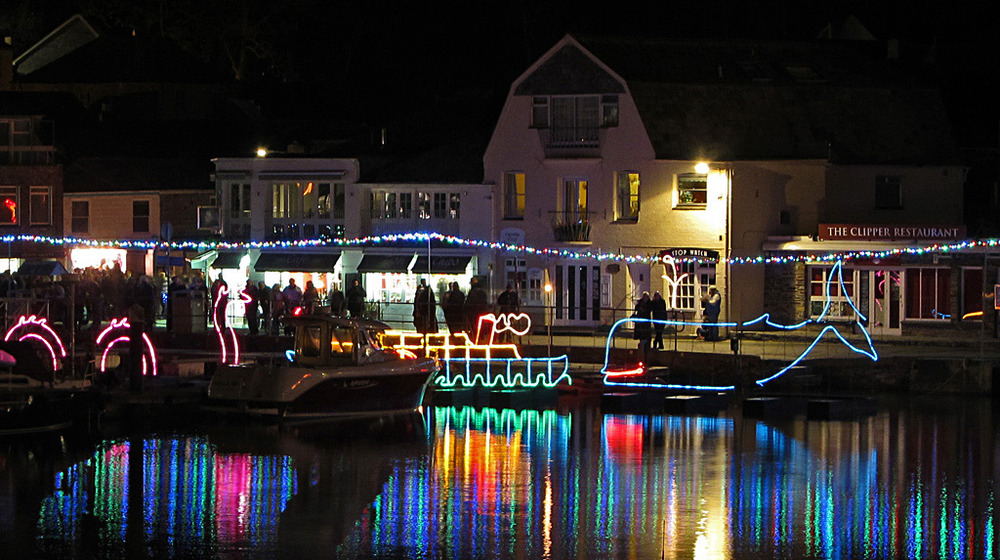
(696, 160)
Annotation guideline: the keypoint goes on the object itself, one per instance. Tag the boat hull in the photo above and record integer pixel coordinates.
(292, 391)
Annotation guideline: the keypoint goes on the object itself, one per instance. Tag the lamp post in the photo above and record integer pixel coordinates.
(548, 313)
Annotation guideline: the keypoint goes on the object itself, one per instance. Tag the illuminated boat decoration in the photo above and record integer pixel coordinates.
(483, 361)
(336, 369)
(638, 376)
(119, 331)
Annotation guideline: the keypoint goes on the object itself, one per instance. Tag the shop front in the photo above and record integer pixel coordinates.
(391, 280)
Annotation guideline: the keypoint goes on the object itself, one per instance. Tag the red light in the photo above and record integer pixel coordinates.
(12, 206)
(298, 311)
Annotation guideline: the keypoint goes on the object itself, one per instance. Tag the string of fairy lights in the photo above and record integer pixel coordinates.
(425, 237)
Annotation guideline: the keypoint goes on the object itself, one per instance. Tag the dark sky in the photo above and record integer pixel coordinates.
(381, 50)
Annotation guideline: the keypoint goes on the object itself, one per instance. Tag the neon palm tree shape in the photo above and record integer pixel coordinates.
(629, 377)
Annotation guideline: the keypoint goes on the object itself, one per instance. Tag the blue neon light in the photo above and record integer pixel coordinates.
(835, 273)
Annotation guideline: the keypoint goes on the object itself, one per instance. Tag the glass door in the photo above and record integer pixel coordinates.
(886, 304)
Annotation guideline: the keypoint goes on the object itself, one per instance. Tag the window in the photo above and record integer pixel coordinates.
(575, 121)
(513, 195)
(281, 201)
(455, 205)
(140, 216)
(424, 205)
(609, 110)
(516, 274)
(440, 205)
(239, 201)
(40, 206)
(331, 201)
(405, 205)
(840, 299)
(972, 292)
(692, 190)
(80, 216)
(627, 195)
(9, 211)
(888, 192)
(540, 112)
(575, 200)
(928, 293)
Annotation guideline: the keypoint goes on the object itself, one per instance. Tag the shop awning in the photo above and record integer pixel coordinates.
(443, 264)
(296, 262)
(42, 268)
(228, 259)
(385, 263)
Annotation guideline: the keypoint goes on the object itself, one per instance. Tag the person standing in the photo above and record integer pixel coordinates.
(335, 299)
(356, 300)
(476, 304)
(310, 297)
(264, 300)
(176, 285)
(251, 308)
(642, 329)
(454, 309)
(277, 308)
(659, 313)
(712, 308)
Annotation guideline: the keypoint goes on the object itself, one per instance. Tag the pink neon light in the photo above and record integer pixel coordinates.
(33, 321)
(149, 366)
(223, 295)
(52, 351)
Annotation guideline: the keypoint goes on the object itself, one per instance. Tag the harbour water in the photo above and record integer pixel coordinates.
(918, 479)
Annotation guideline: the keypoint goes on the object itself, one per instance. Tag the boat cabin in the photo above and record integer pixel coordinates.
(324, 340)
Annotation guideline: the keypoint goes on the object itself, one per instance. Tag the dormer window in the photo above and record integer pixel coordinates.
(609, 110)
(540, 112)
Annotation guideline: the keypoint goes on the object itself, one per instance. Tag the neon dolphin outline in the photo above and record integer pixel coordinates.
(835, 272)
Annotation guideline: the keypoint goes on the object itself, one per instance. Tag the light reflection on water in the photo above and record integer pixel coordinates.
(917, 480)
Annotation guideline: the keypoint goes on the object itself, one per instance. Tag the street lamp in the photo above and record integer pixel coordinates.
(548, 313)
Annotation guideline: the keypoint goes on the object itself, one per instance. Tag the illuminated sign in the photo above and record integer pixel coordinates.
(483, 362)
(688, 253)
(881, 232)
(9, 211)
(228, 343)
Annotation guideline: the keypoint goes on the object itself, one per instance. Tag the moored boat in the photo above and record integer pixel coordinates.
(336, 369)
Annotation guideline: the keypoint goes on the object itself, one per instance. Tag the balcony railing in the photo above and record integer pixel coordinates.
(575, 137)
(571, 226)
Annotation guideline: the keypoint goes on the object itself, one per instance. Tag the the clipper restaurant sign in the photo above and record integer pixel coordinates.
(880, 232)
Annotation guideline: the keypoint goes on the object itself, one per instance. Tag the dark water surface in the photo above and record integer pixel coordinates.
(917, 480)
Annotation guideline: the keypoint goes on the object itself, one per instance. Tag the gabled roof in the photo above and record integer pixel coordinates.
(754, 100)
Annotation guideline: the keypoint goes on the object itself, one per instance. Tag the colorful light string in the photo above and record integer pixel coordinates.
(424, 237)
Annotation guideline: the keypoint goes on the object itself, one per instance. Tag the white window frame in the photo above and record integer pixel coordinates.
(840, 306)
(627, 185)
(691, 178)
(46, 218)
(514, 188)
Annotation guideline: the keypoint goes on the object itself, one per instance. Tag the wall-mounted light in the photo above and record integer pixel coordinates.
(262, 152)
(701, 167)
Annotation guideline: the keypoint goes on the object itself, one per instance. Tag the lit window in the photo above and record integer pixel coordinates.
(513, 195)
(840, 306)
(692, 190)
(455, 205)
(627, 194)
(928, 293)
(406, 205)
(80, 216)
(9, 214)
(888, 192)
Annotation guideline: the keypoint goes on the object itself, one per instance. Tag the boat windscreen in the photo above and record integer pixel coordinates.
(309, 341)
(341, 340)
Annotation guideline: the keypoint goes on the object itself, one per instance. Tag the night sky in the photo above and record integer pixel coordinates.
(373, 54)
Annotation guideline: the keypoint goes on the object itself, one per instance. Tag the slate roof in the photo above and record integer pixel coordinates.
(756, 100)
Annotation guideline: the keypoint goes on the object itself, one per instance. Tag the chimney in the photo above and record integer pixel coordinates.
(6, 64)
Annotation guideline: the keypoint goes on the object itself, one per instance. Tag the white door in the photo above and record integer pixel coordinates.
(885, 301)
